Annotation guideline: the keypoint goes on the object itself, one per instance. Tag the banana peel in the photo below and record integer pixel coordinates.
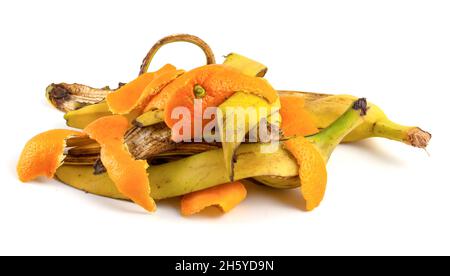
(246, 65)
(82, 117)
(190, 174)
(324, 109)
(250, 109)
(149, 118)
(69, 97)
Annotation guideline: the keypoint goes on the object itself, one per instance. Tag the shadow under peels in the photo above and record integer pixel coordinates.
(374, 149)
(291, 198)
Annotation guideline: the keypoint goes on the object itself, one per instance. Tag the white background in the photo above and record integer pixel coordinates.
(383, 197)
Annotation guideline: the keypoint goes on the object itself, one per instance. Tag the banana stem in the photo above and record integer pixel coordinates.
(413, 136)
(177, 38)
(328, 139)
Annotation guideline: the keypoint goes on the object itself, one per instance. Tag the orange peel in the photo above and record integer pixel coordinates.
(218, 81)
(312, 170)
(225, 196)
(43, 154)
(137, 93)
(296, 121)
(129, 175)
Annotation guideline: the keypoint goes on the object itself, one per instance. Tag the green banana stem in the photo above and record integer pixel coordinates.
(328, 139)
(413, 136)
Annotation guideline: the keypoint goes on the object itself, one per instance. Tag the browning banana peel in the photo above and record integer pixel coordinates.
(69, 97)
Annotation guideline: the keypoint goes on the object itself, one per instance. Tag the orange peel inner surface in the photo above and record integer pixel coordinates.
(225, 196)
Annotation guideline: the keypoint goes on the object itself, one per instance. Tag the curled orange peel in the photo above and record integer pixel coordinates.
(137, 93)
(312, 170)
(296, 121)
(129, 175)
(225, 196)
(43, 154)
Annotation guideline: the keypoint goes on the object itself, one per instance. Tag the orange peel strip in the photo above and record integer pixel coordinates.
(43, 154)
(129, 175)
(137, 92)
(296, 121)
(156, 86)
(312, 171)
(225, 196)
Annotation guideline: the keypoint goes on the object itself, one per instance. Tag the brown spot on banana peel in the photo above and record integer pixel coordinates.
(99, 168)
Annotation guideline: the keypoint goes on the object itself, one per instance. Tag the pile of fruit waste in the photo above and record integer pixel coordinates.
(145, 142)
